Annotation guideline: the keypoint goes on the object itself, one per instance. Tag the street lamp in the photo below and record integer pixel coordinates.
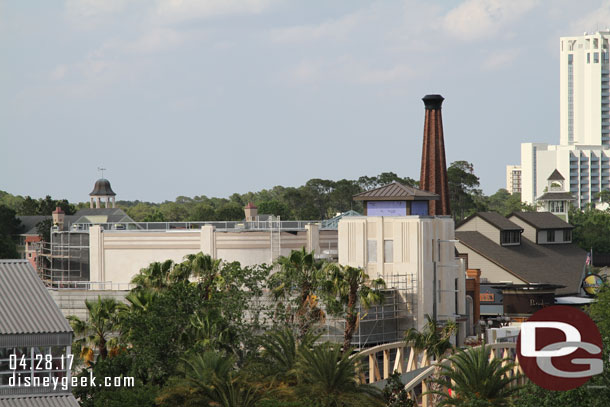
(439, 241)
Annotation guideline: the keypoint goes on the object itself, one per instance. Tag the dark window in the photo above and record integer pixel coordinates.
(510, 237)
(550, 235)
(567, 235)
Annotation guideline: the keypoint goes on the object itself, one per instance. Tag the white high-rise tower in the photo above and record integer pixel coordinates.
(583, 151)
(584, 94)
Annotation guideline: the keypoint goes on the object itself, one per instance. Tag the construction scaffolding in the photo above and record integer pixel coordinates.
(64, 259)
(382, 323)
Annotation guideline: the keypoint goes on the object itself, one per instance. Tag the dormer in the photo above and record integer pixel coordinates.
(555, 182)
(493, 226)
(543, 227)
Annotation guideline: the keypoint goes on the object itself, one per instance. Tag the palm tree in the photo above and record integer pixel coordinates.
(97, 331)
(345, 287)
(280, 352)
(299, 276)
(475, 380)
(433, 339)
(140, 300)
(156, 276)
(210, 379)
(206, 269)
(328, 377)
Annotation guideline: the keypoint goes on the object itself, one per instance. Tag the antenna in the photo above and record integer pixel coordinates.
(102, 170)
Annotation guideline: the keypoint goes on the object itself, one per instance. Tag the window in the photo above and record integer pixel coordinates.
(596, 57)
(371, 251)
(508, 237)
(595, 43)
(550, 236)
(588, 57)
(557, 206)
(388, 251)
(567, 235)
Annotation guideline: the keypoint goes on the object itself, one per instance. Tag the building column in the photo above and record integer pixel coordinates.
(208, 240)
(113, 203)
(313, 237)
(96, 254)
(90, 202)
(98, 203)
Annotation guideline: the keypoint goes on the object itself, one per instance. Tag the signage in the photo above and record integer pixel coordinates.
(560, 348)
(487, 297)
(591, 284)
(386, 208)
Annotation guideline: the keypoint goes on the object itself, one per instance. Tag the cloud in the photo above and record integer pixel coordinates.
(175, 11)
(88, 14)
(346, 69)
(500, 59)
(479, 19)
(598, 19)
(338, 29)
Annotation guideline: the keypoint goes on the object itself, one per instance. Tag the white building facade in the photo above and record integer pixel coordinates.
(583, 153)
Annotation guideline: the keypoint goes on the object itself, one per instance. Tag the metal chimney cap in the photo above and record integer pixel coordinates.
(433, 101)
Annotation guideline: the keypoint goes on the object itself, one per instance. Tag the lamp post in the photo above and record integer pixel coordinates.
(434, 295)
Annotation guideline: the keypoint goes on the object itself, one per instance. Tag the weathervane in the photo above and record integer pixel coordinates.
(102, 170)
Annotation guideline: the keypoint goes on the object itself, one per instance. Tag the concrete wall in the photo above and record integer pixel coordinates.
(117, 256)
(477, 224)
(489, 270)
(415, 243)
(72, 302)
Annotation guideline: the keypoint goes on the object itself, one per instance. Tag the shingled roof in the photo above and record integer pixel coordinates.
(556, 196)
(555, 176)
(25, 305)
(495, 219)
(552, 264)
(542, 220)
(395, 192)
(47, 400)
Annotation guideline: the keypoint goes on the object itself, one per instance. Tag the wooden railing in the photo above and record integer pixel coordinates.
(405, 359)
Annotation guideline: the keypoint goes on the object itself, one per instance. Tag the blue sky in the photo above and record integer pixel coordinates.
(212, 97)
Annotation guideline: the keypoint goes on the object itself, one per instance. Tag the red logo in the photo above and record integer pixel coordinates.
(560, 348)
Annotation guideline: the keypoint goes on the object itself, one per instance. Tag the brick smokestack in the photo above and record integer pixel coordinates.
(433, 166)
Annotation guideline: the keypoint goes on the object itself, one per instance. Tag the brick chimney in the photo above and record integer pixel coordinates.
(433, 166)
(58, 217)
(251, 212)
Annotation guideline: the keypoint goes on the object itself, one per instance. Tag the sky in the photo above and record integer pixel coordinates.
(212, 97)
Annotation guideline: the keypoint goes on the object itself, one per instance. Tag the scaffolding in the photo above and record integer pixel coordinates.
(383, 323)
(64, 259)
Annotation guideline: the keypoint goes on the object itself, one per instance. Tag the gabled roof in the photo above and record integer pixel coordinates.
(552, 264)
(555, 176)
(48, 400)
(542, 220)
(395, 192)
(495, 219)
(556, 196)
(29, 222)
(25, 305)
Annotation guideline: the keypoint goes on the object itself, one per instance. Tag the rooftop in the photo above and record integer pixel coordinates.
(495, 219)
(25, 305)
(542, 220)
(395, 192)
(550, 264)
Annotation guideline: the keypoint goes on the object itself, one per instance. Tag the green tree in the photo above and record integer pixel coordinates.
(156, 276)
(274, 207)
(475, 380)
(297, 281)
(210, 379)
(99, 329)
(345, 288)
(9, 227)
(464, 194)
(591, 229)
(395, 394)
(433, 339)
(328, 377)
(506, 203)
(230, 211)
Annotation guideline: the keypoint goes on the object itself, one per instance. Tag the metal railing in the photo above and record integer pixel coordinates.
(89, 285)
(192, 226)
